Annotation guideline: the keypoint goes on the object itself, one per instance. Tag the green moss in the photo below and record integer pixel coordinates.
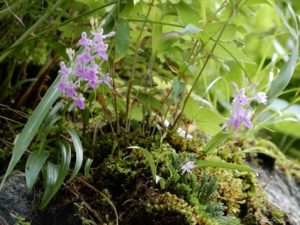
(125, 173)
(242, 192)
(160, 203)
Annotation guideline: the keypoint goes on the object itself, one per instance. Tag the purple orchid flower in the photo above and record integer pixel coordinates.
(85, 71)
(187, 167)
(241, 112)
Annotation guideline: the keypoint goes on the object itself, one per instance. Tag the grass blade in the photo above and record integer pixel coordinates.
(55, 175)
(224, 165)
(79, 153)
(286, 73)
(216, 141)
(34, 165)
(29, 131)
(87, 168)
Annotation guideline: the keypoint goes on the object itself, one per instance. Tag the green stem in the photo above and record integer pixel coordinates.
(133, 68)
(204, 65)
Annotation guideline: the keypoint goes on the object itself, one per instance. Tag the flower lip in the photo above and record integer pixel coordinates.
(187, 167)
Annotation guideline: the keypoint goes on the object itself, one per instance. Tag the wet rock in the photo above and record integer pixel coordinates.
(282, 191)
(14, 199)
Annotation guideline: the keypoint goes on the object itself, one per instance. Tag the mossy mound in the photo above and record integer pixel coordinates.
(122, 185)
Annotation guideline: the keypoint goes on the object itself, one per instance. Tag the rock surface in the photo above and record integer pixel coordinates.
(282, 191)
(14, 199)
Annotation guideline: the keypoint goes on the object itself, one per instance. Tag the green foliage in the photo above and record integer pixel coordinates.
(87, 168)
(215, 141)
(34, 164)
(55, 175)
(226, 165)
(172, 63)
(31, 128)
(207, 189)
(20, 220)
(79, 153)
(286, 73)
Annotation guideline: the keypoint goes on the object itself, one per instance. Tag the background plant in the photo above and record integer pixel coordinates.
(169, 61)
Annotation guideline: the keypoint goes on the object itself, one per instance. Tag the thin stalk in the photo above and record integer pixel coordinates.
(112, 73)
(133, 68)
(204, 65)
(17, 18)
(166, 113)
(194, 48)
(198, 49)
(115, 105)
(147, 89)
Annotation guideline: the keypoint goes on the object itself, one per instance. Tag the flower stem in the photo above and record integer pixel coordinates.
(127, 123)
(205, 64)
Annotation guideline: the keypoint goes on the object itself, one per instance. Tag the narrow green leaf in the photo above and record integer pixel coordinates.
(87, 168)
(224, 165)
(47, 125)
(216, 141)
(34, 164)
(29, 131)
(56, 108)
(122, 38)
(50, 121)
(79, 153)
(286, 73)
(55, 175)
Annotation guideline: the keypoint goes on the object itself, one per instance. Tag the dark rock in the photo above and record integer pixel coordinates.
(14, 199)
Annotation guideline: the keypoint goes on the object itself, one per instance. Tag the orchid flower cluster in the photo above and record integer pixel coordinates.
(241, 111)
(84, 71)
